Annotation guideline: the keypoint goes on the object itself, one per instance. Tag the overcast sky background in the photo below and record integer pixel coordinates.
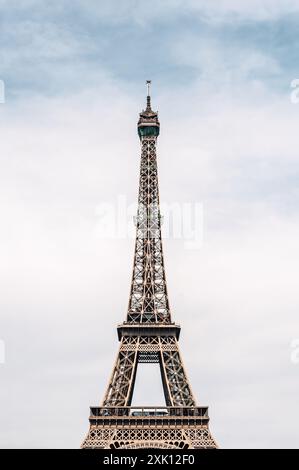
(74, 74)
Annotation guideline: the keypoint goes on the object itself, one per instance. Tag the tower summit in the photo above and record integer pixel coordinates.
(148, 335)
(148, 124)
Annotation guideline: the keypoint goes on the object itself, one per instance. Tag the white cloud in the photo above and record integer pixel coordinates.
(220, 10)
(248, 9)
(228, 140)
(143, 12)
(236, 299)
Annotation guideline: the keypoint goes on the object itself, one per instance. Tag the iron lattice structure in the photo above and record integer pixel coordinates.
(149, 335)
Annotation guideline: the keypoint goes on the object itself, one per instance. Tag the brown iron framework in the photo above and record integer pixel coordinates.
(148, 335)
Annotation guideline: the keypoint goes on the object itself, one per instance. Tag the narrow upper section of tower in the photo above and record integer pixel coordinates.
(148, 124)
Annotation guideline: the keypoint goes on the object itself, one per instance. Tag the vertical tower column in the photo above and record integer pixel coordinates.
(148, 301)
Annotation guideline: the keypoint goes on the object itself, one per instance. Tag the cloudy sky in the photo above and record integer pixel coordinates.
(74, 76)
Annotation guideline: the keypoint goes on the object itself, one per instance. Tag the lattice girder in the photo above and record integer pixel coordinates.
(147, 435)
(148, 297)
(161, 349)
(148, 335)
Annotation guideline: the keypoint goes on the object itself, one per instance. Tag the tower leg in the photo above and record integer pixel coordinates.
(178, 425)
(176, 385)
(121, 385)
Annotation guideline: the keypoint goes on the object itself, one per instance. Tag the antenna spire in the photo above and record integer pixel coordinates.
(148, 123)
(148, 98)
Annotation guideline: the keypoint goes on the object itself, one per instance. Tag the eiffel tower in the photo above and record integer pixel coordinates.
(149, 335)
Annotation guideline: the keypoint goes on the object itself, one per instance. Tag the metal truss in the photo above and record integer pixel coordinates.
(165, 351)
(149, 436)
(148, 297)
(148, 335)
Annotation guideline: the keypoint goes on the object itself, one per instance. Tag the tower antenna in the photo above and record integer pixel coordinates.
(148, 98)
(148, 85)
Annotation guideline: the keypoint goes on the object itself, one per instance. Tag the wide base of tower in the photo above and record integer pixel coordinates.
(149, 428)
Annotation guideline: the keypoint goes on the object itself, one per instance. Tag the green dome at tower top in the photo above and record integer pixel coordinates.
(148, 124)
